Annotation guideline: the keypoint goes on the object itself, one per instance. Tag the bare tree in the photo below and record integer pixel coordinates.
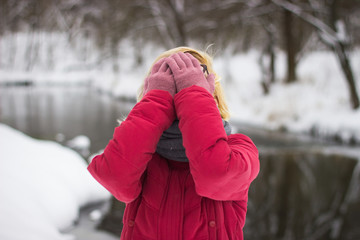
(332, 34)
(267, 58)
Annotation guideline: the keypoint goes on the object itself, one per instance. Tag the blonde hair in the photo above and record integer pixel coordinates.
(203, 58)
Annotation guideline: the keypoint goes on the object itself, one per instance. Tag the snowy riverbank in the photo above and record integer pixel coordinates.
(318, 104)
(43, 186)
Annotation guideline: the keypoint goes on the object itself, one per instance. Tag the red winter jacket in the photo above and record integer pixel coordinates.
(203, 199)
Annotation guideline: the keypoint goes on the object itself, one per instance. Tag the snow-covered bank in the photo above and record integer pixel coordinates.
(43, 185)
(317, 104)
(51, 58)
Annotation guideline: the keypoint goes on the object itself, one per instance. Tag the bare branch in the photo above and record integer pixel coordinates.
(327, 33)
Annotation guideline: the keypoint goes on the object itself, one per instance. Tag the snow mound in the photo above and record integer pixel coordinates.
(43, 185)
(81, 144)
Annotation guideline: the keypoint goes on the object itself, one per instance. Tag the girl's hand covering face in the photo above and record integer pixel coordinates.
(160, 78)
(187, 71)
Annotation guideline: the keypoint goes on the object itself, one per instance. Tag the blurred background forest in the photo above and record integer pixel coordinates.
(290, 69)
(294, 27)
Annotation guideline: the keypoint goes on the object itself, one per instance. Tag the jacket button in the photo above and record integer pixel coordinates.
(131, 223)
(212, 224)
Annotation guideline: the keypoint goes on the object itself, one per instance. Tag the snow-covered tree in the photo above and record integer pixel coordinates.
(330, 25)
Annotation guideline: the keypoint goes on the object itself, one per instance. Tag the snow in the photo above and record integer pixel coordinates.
(43, 185)
(79, 142)
(341, 31)
(318, 103)
(95, 215)
(60, 137)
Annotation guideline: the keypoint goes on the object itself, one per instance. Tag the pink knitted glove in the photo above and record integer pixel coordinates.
(187, 72)
(160, 78)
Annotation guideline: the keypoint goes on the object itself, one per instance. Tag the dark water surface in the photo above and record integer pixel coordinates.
(306, 189)
(45, 111)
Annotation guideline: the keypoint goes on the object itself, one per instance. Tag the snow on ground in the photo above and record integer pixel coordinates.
(318, 103)
(42, 187)
(81, 144)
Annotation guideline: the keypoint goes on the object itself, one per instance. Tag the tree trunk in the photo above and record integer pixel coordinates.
(178, 24)
(271, 53)
(181, 41)
(29, 50)
(348, 73)
(290, 47)
(267, 66)
(339, 49)
(161, 24)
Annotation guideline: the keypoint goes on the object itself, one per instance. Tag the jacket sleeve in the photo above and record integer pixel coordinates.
(222, 166)
(120, 167)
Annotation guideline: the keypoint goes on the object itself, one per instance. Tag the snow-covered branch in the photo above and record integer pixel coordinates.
(160, 22)
(326, 32)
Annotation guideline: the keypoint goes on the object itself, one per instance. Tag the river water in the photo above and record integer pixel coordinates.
(306, 189)
(45, 111)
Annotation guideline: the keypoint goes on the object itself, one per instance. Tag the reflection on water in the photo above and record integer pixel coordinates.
(43, 112)
(301, 192)
(302, 195)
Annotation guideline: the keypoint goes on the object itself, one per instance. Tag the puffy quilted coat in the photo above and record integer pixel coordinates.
(203, 199)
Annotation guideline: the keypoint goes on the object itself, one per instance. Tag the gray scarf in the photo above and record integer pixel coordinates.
(170, 145)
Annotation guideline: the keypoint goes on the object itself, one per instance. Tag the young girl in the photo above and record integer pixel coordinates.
(173, 160)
